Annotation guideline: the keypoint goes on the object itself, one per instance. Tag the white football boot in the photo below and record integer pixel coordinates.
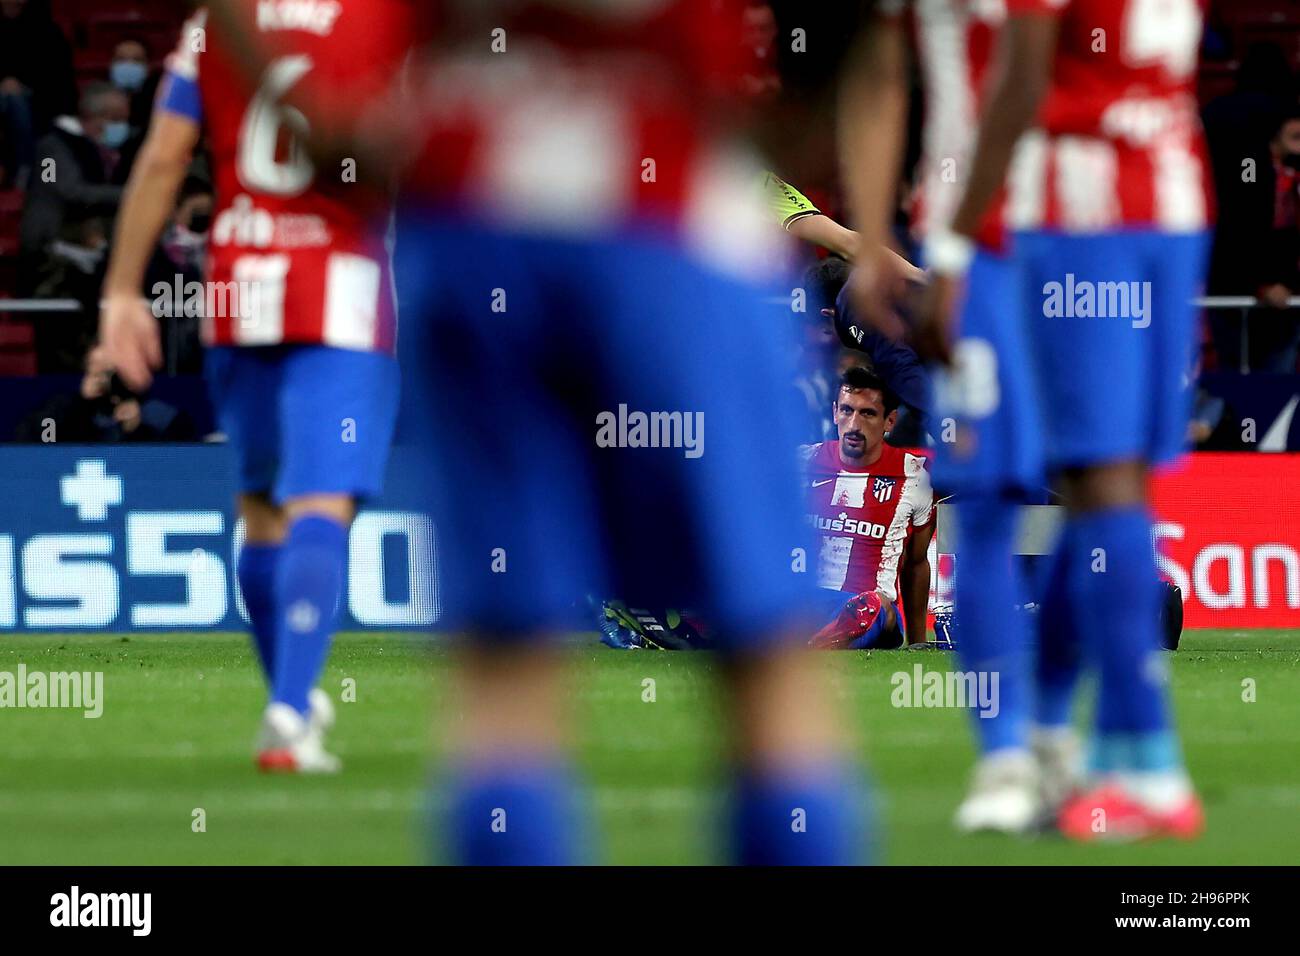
(1003, 796)
(290, 743)
(1060, 767)
(320, 710)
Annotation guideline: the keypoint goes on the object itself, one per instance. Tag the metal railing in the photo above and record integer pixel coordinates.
(1247, 304)
(39, 305)
(73, 307)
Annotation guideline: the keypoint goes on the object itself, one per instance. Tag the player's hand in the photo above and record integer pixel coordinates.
(129, 334)
(936, 319)
(877, 286)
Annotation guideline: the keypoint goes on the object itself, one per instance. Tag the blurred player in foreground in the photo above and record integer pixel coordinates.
(990, 452)
(1109, 201)
(575, 201)
(873, 510)
(601, 206)
(299, 324)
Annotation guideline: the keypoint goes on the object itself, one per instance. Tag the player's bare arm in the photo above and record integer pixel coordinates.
(1026, 49)
(914, 581)
(873, 122)
(822, 230)
(127, 326)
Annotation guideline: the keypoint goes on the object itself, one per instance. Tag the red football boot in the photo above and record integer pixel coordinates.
(1107, 812)
(853, 620)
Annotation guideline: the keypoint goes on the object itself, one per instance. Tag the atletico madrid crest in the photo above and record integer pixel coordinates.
(882, 489)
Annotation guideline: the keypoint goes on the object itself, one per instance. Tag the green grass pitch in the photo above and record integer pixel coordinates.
(181, 711)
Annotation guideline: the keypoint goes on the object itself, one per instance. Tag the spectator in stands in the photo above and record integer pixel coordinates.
(1257, 249)
(761, 81)
(129, 71)
(72, 268)
(1243, 119)
(1215, 424)
(78, 174)
(104, 410)
(36, 82)
(129, 68)
(178, 261)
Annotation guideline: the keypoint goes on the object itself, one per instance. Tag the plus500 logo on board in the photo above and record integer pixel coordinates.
(145, 538)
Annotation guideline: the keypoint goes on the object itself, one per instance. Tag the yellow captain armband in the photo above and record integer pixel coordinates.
(785, 202)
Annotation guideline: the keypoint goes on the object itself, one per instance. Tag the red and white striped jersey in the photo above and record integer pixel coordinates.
(1119, 140)
(296, 254)
(587, 118)
(863, 516)
(955, 41)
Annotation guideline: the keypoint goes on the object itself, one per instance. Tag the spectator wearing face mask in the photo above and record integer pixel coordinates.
(129, 71)
(78, 174)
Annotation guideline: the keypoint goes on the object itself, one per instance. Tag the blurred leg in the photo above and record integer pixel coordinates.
(1113, 584)
(798, 799)
(514, 800)
(993, 635)
(310, 574)
(264, 526)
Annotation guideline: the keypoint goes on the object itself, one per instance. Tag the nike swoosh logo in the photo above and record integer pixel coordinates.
(818, 484)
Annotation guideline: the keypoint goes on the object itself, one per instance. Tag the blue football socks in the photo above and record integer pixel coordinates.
(309, 581)
(1113, 584)
(810, 817)
(992, 636)
(256, 574)
(517, 812)
(1060, 653)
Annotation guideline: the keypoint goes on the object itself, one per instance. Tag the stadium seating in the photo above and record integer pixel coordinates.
(17, 348)
(93, 27)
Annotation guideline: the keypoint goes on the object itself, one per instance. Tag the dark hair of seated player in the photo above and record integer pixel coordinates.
(857, 379)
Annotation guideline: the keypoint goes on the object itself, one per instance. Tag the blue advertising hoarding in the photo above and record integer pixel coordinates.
(121, 538)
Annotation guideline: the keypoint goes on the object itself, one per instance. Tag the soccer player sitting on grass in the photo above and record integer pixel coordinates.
(873, 510)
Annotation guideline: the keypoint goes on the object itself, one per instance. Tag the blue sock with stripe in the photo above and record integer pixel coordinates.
(992, 636)
(519, 812)
(256, 574)
(1117, 596)
(1060, 653)
(811, 817)
(308, 584)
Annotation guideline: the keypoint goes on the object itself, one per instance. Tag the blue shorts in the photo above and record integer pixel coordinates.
(305, 419)
(1113, 332)
(988, 423)
(529, 364)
